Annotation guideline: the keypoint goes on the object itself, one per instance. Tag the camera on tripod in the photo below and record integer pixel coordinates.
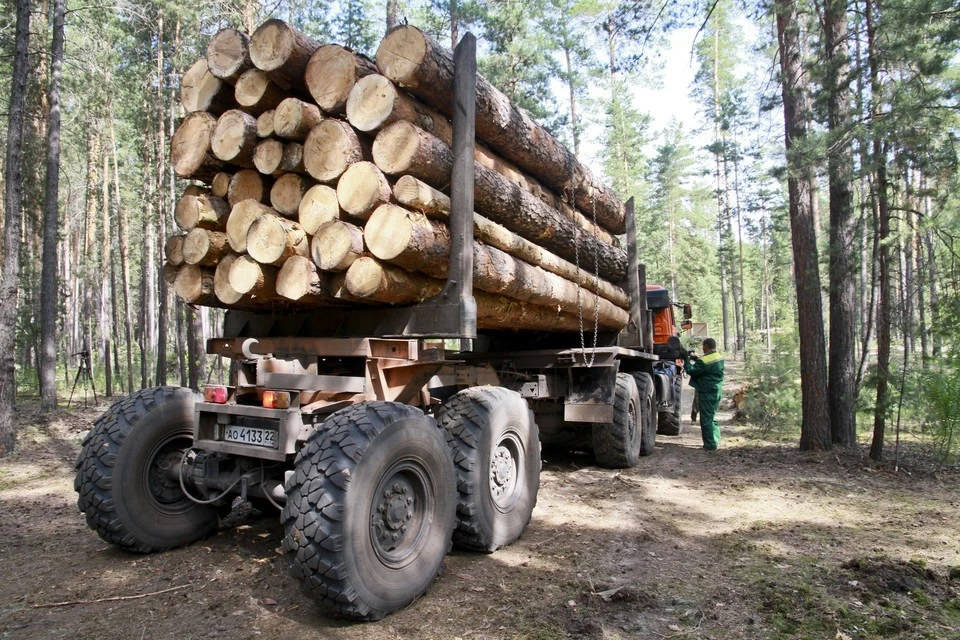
(83, 373)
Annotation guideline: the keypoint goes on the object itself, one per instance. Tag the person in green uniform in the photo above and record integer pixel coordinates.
(706, 376)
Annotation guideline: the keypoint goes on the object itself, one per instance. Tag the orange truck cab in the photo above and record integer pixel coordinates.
(668, 372)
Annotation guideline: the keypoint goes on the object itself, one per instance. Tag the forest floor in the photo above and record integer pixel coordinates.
(755, 540)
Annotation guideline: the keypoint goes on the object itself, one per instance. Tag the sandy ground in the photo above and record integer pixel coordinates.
(753, 541)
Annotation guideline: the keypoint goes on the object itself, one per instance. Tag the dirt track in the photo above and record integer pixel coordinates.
(752, 541)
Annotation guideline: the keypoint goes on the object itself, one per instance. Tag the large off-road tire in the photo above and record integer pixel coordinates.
(668, 420)
(370, 509)
(496, 450)
(648, 413)
(617, 444)
(127, 473)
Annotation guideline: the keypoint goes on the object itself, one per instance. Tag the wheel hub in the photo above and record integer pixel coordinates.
(393, 510)
(163, 482)
(505, 464)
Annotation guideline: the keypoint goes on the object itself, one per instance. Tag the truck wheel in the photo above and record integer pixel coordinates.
(668, 422)
(370, 509)
(496, 448)
(617, 444)
(648, 413)
(127, 473)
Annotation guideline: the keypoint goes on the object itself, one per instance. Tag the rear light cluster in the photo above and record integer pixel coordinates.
(216, 394)
(276, 400)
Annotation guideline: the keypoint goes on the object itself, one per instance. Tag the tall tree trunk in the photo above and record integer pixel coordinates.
(162, 304)
(107, 299)
(740, 260)
(195, 347)
(12, 204)
(49, 289)
(89, 255)
(123, 231)
(721, 194)
(801, 181)
(393, 14)
(842, 374)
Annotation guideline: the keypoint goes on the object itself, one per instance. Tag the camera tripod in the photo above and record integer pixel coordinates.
(83, 373)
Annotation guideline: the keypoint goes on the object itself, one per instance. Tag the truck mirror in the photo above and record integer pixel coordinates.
(687, 312)
(686, 325)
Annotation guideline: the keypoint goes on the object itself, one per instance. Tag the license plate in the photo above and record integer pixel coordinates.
(252, 435)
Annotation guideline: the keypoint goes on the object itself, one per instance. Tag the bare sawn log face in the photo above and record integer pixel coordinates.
(331, 74)
(228, 54)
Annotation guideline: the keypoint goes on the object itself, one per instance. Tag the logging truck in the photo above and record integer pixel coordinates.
(385, 433)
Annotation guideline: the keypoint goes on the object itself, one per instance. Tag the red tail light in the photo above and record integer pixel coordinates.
(216, 394)
(276, 399)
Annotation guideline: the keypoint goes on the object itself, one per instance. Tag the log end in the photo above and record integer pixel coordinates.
(191, 143)
(196, 244)
(364, 277)
(189, 283)
(297, 277)
(400, 54)
(199, 87)
(251, 86)
(329, 149)
(371, 102)
(318, 206)
(267, 156)
(388, 231)
(361, 188)
(336, 246)
(230, 135)
(331, 74)
(222, 288)
(266, 239)
(271, 44)
(287, 117)
(228, 53)
(395, 147)
(241, 218)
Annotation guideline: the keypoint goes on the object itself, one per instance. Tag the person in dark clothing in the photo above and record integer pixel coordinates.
(706, 376)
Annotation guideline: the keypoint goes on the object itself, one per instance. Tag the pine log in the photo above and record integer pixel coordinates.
(197, 190)
(248, 184)
(235, 138)
(330, 148)
(173, 250)
(362, 188)
(283, 52)
(220, 184)
(416, 62)
(318, 206)
(247, 276)
(416, 243)
(256, 94)
(374, 281)
(292, 160)
(169, 273)
(267, 157)
(228, 54)
(208, 212)
(331, 74)
(294, 119)
(272, 239)
(265, 124)
(336, 246)
(190, 151)
(194, 284)
(404, 148)
(287, 192)
(200, 90)
(204, 247)
(242, 217)
(375, 102)
(299, 280)
(419, 196)
(222, 289)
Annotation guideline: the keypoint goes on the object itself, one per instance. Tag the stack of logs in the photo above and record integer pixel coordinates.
(323, 185)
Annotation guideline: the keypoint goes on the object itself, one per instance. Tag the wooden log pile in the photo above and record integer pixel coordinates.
(322, 179)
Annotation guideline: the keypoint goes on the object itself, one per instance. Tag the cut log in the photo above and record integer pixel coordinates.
(173, 250)
(228, 54)
(242, 217)
(287, 192)
(195, 285)
(265, 124)
(247, 276)
(248, 184)
(204, 247)
(208, 212)
(292, 161)
(272, 239)
(190, 151)
(200, 90)
(299, 280)
(222, 289)
(318, 206)
(255, 93)
(197, 190)
(336, 246)
(330, 148)
(169, 273)
(331, 74)
(375, 103)
(294, 119)
(414, 194)
(235, 138)
(268, 156)
(415, 61)
(404, 148)
(220, 184)
(283, 52)
(414, 242)
(362, 188)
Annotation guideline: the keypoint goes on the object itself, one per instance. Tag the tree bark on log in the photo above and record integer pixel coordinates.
(195, 285)
(242, 216)
(173, 250)
(267, 157)
(283, 52)
(248, 184)
(318, 206)
(208, 212)
(416, 62)
(416, 195)
(336, 246)
(228, 54)
(272, 239)
(293, 119)
(256, 94)
(331, 74)
(330, 148)
(220, 184)
(287, 192)
(190, 151)
(362, 188)
(265, 124)
(247, 276)
(300, 281)
(200, 90)
(292, 160)
(204, 247)
(402, 148)
(235, 138)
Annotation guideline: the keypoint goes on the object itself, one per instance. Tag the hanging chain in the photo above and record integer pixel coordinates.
(596, 262)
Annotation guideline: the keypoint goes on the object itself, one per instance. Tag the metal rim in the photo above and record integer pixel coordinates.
(401, 513)
(633, 409)
(161, 485)
(506, 470)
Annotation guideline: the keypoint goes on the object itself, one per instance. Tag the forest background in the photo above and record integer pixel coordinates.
(810, 215)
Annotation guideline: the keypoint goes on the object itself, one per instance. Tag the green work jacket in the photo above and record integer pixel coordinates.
(706, 375)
